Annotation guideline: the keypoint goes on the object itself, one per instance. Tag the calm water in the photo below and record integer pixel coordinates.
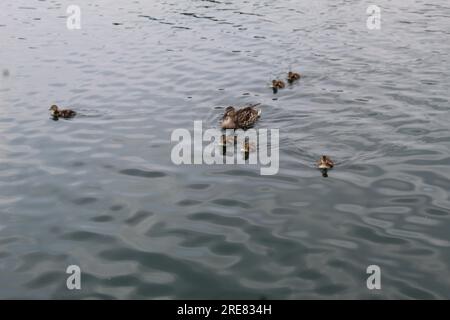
(100, 191)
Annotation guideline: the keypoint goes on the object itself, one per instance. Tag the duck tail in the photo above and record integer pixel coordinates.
(259, 112)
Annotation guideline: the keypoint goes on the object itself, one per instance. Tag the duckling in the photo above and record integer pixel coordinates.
(227, 141)
(325, 164)
(293, 76)
(277, 84)
(242, 118)
(248, 147)
(64, 113)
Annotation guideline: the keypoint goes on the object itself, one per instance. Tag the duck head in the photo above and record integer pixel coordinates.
(54, 110)
(323, 163)
(228, 122)
(274, 86)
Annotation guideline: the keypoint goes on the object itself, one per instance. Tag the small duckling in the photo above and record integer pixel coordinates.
(64, 113)
(248, 147)
(293, 76)
(325, 164)
(227, 140)
(277, 84)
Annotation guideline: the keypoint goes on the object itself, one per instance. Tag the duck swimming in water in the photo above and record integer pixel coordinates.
(248, 147)
(293, 76)
(277, 84)
(64, 113)
(325, 164)
(227, 140)
(240, 119)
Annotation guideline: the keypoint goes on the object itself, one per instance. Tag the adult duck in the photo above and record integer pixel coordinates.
(243, 118)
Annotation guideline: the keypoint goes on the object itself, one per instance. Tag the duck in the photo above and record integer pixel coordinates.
(293, 76)
(61, 113)
(227, 140)
(243, 118)
(248, 147)
(325, 164)
(277, 84)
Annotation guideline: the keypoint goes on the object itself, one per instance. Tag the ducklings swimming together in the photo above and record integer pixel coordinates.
(279, 84)
(243, 118)
(61, 113)
(230, 141)
(324, 164)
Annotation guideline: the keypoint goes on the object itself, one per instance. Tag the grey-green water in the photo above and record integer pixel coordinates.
(101, 192)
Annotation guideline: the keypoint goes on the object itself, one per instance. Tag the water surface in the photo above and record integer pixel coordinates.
(101, 192)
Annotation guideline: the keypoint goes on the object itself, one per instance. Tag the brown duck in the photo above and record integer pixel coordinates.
(61, 113)
(247, 148)
(240, 119)
(293, 76)
(277, 84)
(227, 140)
(325, 164)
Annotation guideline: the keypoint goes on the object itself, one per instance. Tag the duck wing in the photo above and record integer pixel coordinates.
(67, 113)
(330, 163)
(246, 117)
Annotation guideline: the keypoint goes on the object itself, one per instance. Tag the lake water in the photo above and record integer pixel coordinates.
(101, 192)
